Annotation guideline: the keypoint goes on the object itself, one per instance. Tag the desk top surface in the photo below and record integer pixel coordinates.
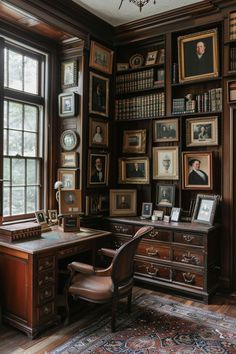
(55, 238)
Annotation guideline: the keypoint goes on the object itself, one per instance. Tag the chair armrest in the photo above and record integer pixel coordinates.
(81, 267)
(107, 252)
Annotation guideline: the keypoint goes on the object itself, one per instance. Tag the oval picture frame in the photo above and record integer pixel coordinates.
(68, 140)
(136, 61)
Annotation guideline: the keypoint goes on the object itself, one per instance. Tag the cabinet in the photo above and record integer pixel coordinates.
(179, 257)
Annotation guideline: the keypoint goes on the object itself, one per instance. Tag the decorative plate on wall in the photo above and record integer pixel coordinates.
(136, 61)
(69, 140)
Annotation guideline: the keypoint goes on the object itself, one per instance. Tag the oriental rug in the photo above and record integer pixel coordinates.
(156, 325)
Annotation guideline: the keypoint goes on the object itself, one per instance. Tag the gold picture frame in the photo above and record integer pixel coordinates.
(123, 202)
(69, 74)
(98, 170)
(98, 133)
(99, 94)
(70, 201)
(134, 141)
(166, 163)
(69, 159)
(197, 170)
(68, 177)
(165, 130)
(151, 58)
(134, 170)
(101, 58)
(202, 131)
(198, 56)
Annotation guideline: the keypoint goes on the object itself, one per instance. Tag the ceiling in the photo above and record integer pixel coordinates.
(108, 10)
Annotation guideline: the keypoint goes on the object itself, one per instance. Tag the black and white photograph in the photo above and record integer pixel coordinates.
(123, 202)
(165, 195)
(202, 131)
(165, 130)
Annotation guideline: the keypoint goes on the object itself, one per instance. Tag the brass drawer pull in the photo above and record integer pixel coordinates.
(188, 238)
(189, 278)
(153, 271)
(152, 251)
(153, 233)
(188, 258)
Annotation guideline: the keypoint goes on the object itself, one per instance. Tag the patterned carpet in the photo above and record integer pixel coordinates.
(156, 325)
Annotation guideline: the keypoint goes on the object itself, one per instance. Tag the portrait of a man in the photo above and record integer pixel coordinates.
(123, 201)
(165, 195)
(135, 169)
(98, 94)
(198, 55)
(98, 169)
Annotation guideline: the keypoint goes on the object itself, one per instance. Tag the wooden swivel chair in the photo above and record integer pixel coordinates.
(106, 285)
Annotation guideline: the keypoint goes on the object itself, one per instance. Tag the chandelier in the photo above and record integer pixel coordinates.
(139, 3)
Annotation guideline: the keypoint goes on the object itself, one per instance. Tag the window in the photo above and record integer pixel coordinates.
(23, 127)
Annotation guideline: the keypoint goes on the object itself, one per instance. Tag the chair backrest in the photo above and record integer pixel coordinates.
(122, 264)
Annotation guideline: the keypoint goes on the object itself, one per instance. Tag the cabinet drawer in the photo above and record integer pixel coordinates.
(74, 250)
(188, 238)
(45, 311)
(194, 257)
(121, 228)
(46, 277)
(152, 270)
(153, 250)
(46, 263)
(46, 294)
(188, 278)
(157, 234)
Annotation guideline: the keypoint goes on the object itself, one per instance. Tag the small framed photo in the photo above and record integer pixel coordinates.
(197, 170)
(123, 202)
(70, 201)
(151, 58)
(69, 140)
(122, 66)
(52, 216)
(231, 91)
(98, 94)
(160, 76)
(68, 177)
(165, 195)
(161, 56)
(101, 58)
(165, 130)
(146, 210)
(198, 56)
(134, 141)
(98, 133)
(205, 209)
(202, 132)
(159, 214)
(69, 159)
(67, 104)
(175, 214)
(41, 217)
(166, 163)
(98, 170)
(134, 170)
(69, 71)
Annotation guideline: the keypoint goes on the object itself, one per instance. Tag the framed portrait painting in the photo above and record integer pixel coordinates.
(166, 163)
(134, 170)
(98, 94)
(67, 104)
(198, 56)
(165, 130)
(205, 209)
(202, 132)
(101, 58)
(134, 141)
(146, 212)
(165, 195)
(70, 201)
(41, 217)
(197, 170)
(98, 133)
(69, 75)
(98, 170)
(123, 202)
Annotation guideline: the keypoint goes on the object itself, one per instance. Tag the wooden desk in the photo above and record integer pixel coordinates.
(29, 276)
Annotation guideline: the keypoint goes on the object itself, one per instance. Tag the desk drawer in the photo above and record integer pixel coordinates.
(188, 238)
(46, 263)
(45, 311)
(46, 277)
(193, 257)
(121, 228)
(46, 294)
(153, 250)
(188, 278)
(74, 250)
(152, 270)
(157, 234)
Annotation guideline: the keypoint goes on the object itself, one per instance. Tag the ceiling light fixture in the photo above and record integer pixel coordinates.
(139, 3)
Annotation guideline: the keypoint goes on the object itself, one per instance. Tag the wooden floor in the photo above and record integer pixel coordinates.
(13, 341)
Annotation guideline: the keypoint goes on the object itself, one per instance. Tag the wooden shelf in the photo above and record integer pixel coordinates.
(196, 82)
(195, 114)
(150, 89)
(141, 68)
